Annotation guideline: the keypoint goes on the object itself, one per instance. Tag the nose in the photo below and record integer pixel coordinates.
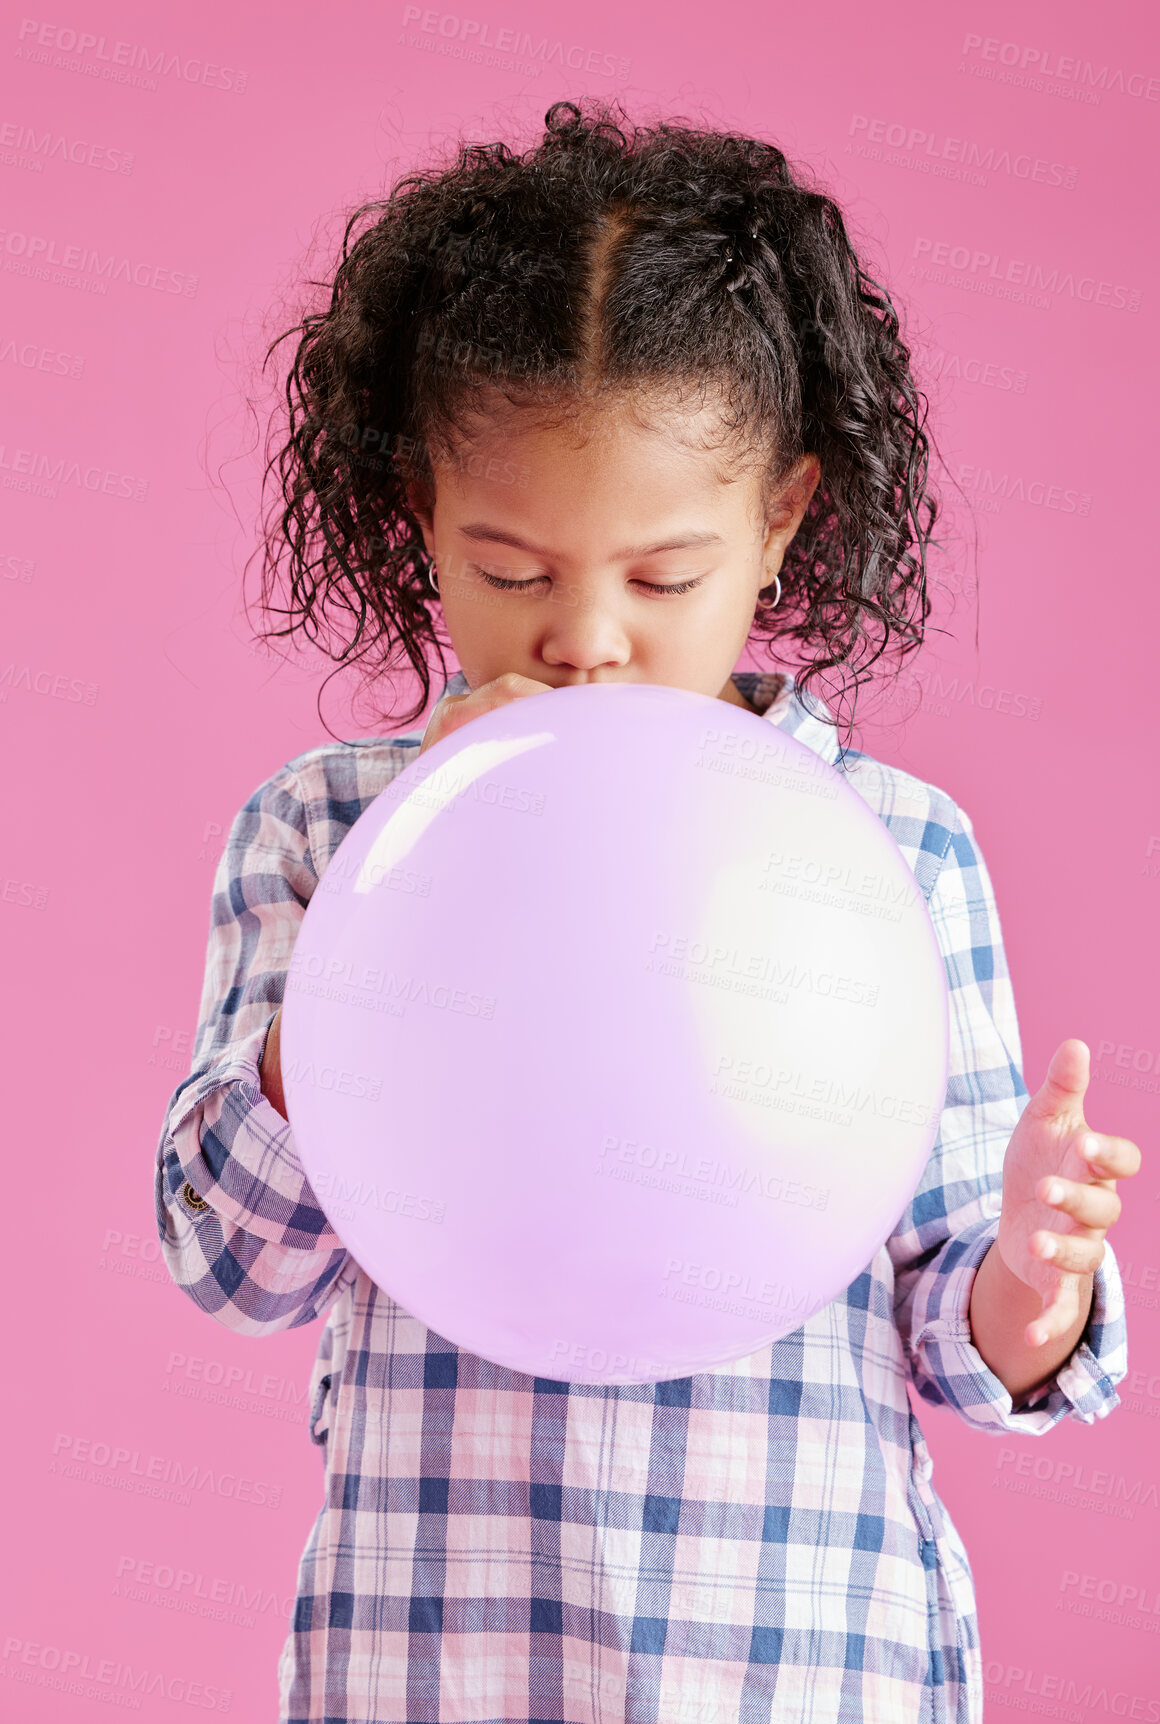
(584, 633)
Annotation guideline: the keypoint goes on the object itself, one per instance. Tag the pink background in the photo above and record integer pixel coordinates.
(138, 716)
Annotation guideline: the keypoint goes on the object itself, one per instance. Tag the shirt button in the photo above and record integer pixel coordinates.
(191, 1198)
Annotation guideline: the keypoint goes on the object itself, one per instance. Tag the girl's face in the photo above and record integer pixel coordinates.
(604, 551)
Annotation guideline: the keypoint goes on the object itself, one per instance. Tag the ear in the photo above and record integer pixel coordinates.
(420, 499)
(787, 506)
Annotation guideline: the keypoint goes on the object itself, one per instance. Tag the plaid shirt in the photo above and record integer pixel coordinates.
(757, 1543)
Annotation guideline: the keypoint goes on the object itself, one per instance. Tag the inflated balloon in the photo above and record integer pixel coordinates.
(615, 1036)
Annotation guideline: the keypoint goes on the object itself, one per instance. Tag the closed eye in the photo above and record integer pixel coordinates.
(648, 586)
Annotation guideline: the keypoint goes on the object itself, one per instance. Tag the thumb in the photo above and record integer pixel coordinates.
(1068, 1075)
(442, 720)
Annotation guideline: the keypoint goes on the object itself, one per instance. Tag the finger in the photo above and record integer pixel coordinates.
(1090, 1205)
(1111, 1157)
(1070, 1252)
(1057, 1316)
(443, 720)
(1063, 1089)
(499, 692)
(509, 685)
(449, 704)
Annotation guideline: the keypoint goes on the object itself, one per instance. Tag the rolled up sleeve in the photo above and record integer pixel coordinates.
(953, 1218)
(241, 1231)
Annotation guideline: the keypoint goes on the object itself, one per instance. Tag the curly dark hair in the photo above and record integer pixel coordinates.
(606, 257)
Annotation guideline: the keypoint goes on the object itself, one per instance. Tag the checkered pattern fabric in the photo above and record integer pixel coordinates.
(757, 1543)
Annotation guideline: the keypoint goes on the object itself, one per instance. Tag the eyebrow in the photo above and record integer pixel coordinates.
(480, 530)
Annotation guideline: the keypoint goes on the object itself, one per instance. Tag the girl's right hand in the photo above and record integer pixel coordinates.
(456, 709)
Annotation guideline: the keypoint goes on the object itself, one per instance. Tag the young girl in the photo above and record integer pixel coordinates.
(616, 405)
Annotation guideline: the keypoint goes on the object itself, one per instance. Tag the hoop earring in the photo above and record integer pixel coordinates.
(777, 600)
(431, 576)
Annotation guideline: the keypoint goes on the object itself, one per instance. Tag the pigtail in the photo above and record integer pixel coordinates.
(856, 567)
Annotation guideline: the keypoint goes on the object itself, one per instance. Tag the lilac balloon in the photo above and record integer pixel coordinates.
(615, 1037)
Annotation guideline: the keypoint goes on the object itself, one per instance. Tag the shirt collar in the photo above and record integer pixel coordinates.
(773, 693)
(776, 697)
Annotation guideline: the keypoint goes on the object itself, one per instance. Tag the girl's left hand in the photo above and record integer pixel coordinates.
(1059, 1192)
